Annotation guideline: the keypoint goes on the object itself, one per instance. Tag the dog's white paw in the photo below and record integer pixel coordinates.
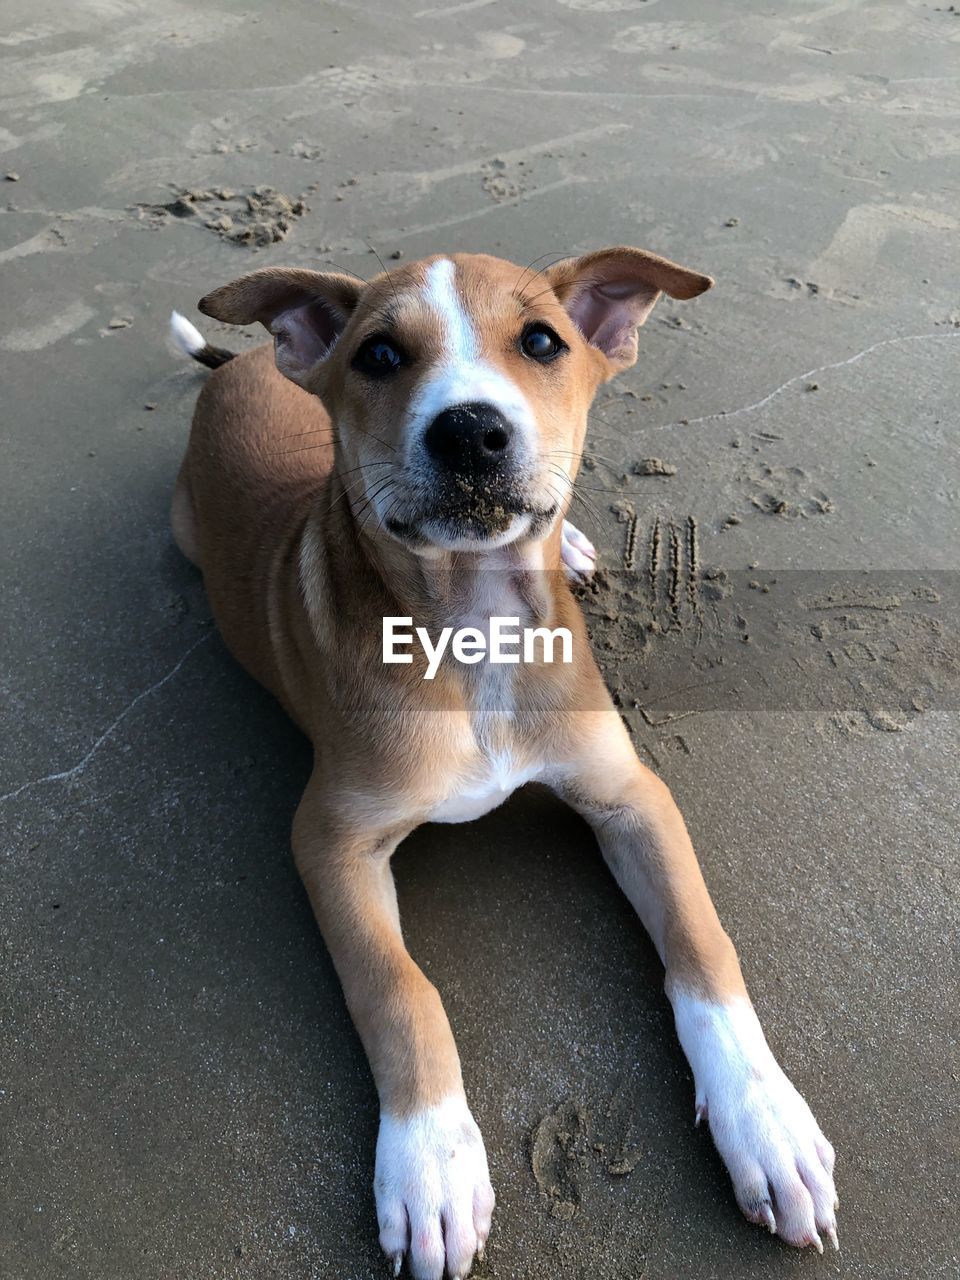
(780, 1162)
(577, 553)
(434, 1198)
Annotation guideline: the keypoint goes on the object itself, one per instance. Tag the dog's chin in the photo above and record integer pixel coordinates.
(469, 533)
(472, 534)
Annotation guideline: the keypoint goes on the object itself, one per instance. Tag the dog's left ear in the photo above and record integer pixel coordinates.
(306, 311)
(609, 294)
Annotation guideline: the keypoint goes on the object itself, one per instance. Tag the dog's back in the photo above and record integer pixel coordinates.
(260, 452)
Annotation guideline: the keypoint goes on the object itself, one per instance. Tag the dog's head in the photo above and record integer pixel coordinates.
(459, 386)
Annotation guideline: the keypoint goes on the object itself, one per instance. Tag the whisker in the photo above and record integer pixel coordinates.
(334, 436)
(348, 488)
(567, 285)
(566, 485)
(362, 479)
(596, 489)
(591, 515)
(560, 255)
(388, 513)
(590, 511)
(365, 466)
(588, 503)
(297, 435)
(584, 453)
(372, 511)
(347, 272)
(372, 497)
(396, 296)
(595, 416)
(343, 493)
(285, 453)
(377, 438)
(561, 501)
(575, 492)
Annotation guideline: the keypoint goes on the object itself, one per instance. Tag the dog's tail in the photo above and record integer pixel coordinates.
(192, 342)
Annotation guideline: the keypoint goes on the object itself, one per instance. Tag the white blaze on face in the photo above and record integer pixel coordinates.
(459, 336)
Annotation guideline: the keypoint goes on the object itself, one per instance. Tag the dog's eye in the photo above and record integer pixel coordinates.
(539, 342)
(377, 357)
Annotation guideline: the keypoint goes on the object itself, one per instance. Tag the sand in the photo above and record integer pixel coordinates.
(773, 491)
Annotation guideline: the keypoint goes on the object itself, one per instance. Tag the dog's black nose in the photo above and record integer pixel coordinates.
(469, 439)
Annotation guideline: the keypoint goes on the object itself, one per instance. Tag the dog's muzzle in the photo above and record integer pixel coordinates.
(474, 480)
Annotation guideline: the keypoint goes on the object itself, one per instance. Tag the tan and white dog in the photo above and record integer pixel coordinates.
(414, 457)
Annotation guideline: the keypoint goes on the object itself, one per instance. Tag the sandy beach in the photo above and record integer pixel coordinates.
(774, 492)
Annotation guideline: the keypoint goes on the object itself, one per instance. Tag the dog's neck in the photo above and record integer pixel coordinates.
(446, 588)
(467, 588)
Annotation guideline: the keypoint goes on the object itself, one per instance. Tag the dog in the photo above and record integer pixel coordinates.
(407, 452)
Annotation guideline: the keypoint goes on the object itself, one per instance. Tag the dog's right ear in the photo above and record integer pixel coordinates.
(306, 311)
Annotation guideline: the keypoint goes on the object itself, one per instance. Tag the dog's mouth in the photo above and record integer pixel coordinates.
(481, 521)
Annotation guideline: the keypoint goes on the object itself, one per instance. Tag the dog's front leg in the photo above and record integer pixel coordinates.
(780, 1162)
(433, 1193)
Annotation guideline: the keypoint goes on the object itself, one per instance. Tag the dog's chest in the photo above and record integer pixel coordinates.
(479, 795)
(495, 768)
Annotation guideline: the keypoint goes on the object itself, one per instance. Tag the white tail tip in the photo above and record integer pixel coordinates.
(186, 335)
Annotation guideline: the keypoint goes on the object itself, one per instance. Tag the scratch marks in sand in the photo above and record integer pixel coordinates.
(630, 543)
(855, 651)
(74, 771)
(673, 572)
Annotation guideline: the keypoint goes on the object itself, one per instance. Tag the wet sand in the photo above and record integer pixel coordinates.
(181, 1093)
